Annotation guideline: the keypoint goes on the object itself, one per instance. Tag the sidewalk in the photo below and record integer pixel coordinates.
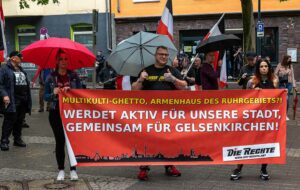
(34, 167)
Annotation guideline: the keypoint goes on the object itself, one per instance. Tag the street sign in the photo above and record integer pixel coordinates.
(260, 27)
(43, 31)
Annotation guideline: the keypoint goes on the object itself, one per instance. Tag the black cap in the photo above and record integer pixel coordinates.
(250, 54)
(15, 53)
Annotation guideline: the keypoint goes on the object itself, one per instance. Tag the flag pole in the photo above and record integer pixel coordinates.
(185, 75)
(2, 21)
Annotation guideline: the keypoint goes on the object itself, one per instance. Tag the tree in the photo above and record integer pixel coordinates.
(24, 3)
(249, 25)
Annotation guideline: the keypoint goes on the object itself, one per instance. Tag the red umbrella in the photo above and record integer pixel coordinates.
(295, 103)
(44, 52)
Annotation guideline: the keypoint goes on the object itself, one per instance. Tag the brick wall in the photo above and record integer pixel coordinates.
(288, 38)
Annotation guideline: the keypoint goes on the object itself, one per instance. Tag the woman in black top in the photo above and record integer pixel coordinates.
(264, 78)
(60, 80)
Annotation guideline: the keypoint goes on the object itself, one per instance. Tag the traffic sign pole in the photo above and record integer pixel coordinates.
(258, 39)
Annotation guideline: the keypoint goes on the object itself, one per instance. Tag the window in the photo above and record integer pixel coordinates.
(269, 45)
(83, 33)
(25, 35)
(189, 40)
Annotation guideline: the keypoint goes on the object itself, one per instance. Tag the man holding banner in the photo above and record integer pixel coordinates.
(159, 76)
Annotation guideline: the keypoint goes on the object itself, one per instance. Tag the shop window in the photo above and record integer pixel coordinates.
(83, 33)
(25, 35)
(189, 40)
(269, 46)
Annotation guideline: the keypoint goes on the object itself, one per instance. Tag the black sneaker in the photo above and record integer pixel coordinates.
(19, 143)
(264, 175)
(41, 110)
(4, 147)
(236, 175)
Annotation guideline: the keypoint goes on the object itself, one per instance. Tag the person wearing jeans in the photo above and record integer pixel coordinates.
(285, 73)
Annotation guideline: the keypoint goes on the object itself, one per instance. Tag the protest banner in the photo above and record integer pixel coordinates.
(124, 128)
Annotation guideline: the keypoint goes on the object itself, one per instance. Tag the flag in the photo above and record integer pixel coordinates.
(165, 25)
(223, 74)
(217, 29)
(3, 48)
(123, 82)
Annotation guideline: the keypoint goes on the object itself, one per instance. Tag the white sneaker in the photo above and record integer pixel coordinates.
(287, 118)
(61, 175)
(73, 175)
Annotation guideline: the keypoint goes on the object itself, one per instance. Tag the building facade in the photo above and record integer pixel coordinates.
(193, 19)
(71, 19)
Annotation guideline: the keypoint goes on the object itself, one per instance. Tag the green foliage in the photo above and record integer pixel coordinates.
(24, 4)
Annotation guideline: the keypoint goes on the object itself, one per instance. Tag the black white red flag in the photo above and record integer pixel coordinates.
(165, 25)
(3, 49)
(218, 29)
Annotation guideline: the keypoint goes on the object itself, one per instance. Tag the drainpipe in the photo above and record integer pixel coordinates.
(108, 25)
(95, 30)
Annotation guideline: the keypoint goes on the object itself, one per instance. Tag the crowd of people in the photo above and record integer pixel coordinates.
(181, 75)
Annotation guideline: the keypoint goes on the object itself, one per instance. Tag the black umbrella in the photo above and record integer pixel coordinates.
(218, 43)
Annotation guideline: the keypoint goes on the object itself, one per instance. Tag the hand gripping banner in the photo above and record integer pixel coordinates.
(126, 128)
